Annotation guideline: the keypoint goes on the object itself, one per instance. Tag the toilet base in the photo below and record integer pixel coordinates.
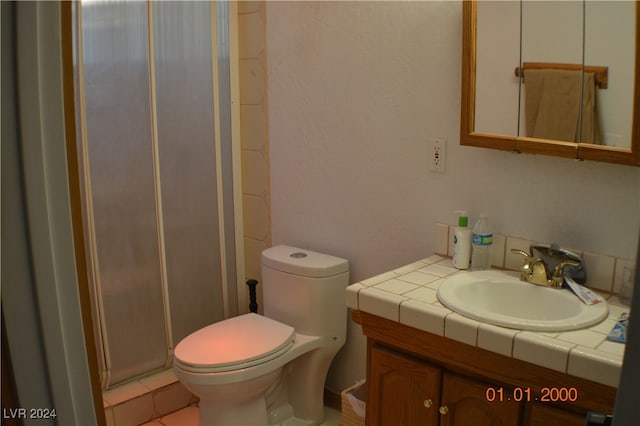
(294, 421)
(232, 404)
(248, 413)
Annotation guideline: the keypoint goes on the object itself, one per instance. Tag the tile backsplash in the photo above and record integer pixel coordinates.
(604, 273)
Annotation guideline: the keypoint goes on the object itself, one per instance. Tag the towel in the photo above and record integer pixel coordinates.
(552, 105)
(589, 120)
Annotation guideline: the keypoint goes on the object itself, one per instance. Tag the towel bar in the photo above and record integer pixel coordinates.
(601, 73)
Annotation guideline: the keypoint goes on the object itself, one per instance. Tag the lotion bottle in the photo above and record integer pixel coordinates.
(462, 242)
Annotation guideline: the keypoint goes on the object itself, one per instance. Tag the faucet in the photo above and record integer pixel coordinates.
(534, 270)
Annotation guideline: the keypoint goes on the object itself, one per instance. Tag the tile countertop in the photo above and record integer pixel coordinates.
(408, 295)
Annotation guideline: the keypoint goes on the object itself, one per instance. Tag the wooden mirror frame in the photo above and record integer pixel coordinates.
(627, 156)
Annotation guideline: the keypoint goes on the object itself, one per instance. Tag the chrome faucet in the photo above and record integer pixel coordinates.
(534, 270)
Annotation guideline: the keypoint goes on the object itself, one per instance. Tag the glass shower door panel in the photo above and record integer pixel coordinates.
(185, 123)
(120, 150)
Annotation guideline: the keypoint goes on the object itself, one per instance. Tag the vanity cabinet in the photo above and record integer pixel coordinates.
(465, 403)
(543, 415)
(409, 391)
(404, 390)
(418, 378)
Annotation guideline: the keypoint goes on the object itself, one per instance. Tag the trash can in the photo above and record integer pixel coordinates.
(354, 403)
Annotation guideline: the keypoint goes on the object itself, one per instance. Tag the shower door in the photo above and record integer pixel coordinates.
(153, 107)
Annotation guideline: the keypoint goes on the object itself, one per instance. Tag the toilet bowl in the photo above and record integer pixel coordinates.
(259, 370)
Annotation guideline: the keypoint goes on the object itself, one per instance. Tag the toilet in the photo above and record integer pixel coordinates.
(259, 370)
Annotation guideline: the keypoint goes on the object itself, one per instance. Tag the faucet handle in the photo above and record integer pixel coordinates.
(525, 269)
(521, 252)
(558, 271)
(533, 270)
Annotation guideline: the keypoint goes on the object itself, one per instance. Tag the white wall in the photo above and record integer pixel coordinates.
(356, 89)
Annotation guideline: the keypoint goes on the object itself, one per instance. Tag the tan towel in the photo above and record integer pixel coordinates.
(552, 104)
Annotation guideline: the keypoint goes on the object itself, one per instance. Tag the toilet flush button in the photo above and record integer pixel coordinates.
(298, 255)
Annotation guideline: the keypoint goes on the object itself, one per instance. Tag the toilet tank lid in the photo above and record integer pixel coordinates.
(303, 262)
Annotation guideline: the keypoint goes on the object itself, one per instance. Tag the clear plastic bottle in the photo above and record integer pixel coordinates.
(481, 241)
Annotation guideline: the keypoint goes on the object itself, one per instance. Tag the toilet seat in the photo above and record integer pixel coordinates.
(233, 344)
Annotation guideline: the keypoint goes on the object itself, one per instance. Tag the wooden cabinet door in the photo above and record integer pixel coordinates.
(544, 415)
(402, 390)
(466, 404)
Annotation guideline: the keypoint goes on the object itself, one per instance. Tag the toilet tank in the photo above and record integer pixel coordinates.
(306, 290)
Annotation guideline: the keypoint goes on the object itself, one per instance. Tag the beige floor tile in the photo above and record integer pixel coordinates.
(185, 417)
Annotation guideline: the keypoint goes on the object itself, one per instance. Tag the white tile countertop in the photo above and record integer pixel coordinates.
(408, 295)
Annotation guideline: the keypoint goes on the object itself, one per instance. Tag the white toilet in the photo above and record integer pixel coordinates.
(259, 370)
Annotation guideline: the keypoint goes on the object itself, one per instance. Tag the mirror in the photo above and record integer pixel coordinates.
(499, 41)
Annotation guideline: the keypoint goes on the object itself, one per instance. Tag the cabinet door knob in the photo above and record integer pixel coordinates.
(428, 403)
(444, 409)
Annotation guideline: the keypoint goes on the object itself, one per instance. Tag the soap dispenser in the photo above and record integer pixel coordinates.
(462, 242)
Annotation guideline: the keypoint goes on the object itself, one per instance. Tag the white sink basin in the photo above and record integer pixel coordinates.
(500, 298)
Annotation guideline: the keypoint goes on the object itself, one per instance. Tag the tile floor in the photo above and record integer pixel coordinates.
(189, 417)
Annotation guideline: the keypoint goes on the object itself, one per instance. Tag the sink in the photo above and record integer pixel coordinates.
(500, 298)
